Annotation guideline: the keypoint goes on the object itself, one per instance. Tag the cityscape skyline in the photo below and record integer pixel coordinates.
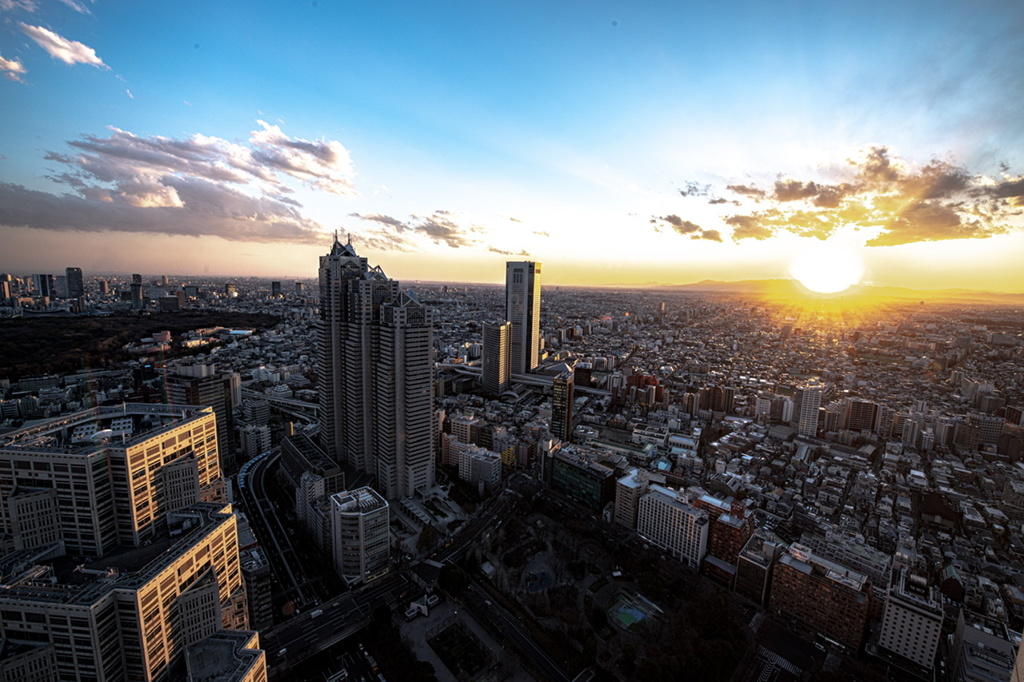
(619, 146)
(666, 463)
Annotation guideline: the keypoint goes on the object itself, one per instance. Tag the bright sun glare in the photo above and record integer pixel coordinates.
(827, 269)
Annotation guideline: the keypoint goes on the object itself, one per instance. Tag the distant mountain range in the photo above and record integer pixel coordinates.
(789, 287)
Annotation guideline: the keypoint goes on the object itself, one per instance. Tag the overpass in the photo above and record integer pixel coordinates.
(296, 408)
(542, 380)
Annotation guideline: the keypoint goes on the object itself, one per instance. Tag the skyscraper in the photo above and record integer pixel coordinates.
(76, 287)
(810, 403)
(496, 370)
(138, 302)
(562, 388)
(375, 374)
(522, 309)
(45, 285)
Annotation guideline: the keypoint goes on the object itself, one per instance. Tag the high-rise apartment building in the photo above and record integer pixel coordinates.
(275, 289)
(522, 309)
(982, 650)
(862, 415)
(360, 534)
(497, 369)
(138, 299)
(376, 374)
(562, 389)
(810, 403)
(829, 598)
(75, 284)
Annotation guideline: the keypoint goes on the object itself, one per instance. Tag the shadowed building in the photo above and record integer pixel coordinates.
(375, 372)
(496, 368)
(522, 309)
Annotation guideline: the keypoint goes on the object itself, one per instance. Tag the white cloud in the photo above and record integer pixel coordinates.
(323, 164)
(13, 69)
(27, 5)
(77, 6)
(59, 47)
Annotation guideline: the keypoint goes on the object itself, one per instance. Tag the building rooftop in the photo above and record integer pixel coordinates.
(94, 429)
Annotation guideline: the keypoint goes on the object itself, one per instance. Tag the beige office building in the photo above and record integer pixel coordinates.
(105, 477)
(132, 614)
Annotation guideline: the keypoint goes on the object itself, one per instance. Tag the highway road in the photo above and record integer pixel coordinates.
(271, 533)
(500, 618)
(336, 619)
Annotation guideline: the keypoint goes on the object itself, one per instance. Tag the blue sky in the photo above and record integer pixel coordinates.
(617, 142)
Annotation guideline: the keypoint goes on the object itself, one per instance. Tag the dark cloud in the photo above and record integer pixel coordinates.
(695, 189)
(930, 221)
(718, 200)
(1010, 189)
(382, 219)
(747, 190)
(441, 227)
(192, 186)
(681, 226)
(685, 227)
(225, 214)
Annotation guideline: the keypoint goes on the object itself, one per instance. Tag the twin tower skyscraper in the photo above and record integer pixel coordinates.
(375, 366)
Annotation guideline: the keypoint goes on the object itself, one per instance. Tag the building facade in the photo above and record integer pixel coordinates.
(912, 623)
(825, 596)
(563, 394)
(361, 535)
(496, 366)
(106, 477)
(375, 370)
(668, 521)
(522, 309)
(132, 614)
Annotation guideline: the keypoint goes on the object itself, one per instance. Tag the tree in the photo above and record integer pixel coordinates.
(453, 579)
(428, 538)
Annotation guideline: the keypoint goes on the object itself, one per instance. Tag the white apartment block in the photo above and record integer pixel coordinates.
(665, 519)
(361, 535)
(912, 623)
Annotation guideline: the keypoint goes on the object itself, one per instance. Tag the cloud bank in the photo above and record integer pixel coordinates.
(876, 192)
(199, 185)
(440, 227)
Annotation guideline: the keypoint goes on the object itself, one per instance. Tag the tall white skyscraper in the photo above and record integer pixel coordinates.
(522, 309)
(375, 371)
(810, 403)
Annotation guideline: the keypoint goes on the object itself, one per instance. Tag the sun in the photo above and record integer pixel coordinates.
(827, 269)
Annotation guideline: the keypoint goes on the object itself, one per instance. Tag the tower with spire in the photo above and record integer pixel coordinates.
(375, 374)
